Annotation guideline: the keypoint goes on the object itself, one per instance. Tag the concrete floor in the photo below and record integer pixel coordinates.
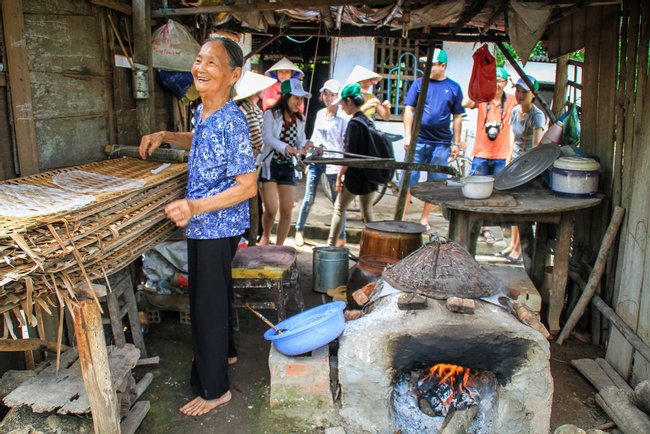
(249, 412)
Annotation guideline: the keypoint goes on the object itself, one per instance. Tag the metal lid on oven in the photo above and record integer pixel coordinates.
(527, 166)
(398, 227)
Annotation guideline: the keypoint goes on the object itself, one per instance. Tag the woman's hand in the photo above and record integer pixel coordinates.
(180, 212)
(371, 103)
(339, 183)
(150, 143)
(290, 150)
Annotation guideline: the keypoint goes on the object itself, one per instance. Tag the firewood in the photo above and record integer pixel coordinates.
(461, 305)
(529, 318)
(351, 315)
(360, 297)
(411, 301)
(642, 396)
(617, 404)
(459, 421)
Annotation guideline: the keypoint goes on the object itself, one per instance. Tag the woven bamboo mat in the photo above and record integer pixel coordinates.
(45, 260)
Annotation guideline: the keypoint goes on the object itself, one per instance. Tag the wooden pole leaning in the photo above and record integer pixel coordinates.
(596, 274)
(95, 369)
(419, 110)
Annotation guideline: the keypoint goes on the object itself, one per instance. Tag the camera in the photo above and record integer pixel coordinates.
(492, 130)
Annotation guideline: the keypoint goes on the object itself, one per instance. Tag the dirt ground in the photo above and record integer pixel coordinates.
(249, 411)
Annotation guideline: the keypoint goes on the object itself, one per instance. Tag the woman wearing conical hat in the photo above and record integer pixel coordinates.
(366, 79)
(282, 70)
(249, 92)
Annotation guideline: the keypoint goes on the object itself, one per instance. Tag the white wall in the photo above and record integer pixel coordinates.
(348, 52)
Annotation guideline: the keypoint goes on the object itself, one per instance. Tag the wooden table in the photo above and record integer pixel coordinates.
(533, 204)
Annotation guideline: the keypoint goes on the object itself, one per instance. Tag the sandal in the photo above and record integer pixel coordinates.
(502, 254)
(514, 261)
(489, 238)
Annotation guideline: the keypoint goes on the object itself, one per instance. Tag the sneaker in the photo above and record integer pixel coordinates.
(300, 241)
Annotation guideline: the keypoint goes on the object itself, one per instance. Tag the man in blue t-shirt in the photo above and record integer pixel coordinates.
(436, 143)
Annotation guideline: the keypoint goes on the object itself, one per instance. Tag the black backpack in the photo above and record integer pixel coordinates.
(380, 147)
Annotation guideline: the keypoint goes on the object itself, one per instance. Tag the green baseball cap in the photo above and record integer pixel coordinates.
(439, 56)
(349, 91)
(502, 73)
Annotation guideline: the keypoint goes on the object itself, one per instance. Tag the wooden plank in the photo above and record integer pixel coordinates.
(19, 81)
(497, 199)
(134, 418)
(614, 376)
(32, 344)
(145, 108)
(71, 141)
(593, 372)
(95, 368)
(631, 302)
(76, 95)
(618, 405)
(114, 5)
(57, 7)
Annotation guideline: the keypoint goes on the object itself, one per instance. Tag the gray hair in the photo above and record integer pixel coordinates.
(235, 54)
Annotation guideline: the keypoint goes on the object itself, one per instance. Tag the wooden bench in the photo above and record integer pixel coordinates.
(265, 276)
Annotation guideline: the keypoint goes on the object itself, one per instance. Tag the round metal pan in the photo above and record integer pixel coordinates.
(527, 166)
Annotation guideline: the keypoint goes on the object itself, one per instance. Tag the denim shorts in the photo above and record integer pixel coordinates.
(430, 154)
(282, 174)
(485, 166)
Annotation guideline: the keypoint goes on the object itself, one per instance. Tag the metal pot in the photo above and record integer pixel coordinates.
(477, 187)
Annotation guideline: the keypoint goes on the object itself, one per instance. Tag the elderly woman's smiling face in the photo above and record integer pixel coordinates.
(211, 70)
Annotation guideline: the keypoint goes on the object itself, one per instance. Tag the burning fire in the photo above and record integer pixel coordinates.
(454, 373)
(444, 387)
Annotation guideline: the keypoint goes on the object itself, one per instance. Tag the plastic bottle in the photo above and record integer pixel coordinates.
(553, 134)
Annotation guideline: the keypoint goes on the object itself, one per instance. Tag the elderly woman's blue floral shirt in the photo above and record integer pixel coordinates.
(221, 149)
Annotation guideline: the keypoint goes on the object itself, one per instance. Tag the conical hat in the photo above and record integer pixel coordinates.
(359, 73)
(252, 83)
(284, 63)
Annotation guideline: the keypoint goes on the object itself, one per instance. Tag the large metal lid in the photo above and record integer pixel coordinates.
(527, 166)
(396, 227)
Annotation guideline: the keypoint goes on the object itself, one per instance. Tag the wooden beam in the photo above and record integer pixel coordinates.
(262, 6)
(114, 5)
(326, 17)
(95, 369)
(561, 80)
(20, 85)
(265, 44)
(470, 12)
(33, 344)
(145, 109)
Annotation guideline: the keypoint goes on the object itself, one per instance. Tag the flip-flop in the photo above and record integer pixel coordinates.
(514, 261)
(502, 254)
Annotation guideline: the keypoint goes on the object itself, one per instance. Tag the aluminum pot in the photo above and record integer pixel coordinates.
(477, 187)
(308, 330)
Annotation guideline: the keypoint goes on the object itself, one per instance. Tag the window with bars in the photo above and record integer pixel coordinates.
(396, 60)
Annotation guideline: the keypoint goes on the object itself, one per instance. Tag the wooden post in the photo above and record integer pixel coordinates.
(561, 79)
(145, 109)
(419, 110)
(20, 85)
(95, 368)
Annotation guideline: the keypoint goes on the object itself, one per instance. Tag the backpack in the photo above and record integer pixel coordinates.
(379, 146)
(483, 82)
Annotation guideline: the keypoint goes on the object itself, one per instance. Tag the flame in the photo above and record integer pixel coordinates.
(458, 376)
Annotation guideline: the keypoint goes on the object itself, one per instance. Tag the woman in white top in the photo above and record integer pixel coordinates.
(329, 133)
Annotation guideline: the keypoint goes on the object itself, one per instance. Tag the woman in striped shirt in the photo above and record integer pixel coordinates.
(249, 93)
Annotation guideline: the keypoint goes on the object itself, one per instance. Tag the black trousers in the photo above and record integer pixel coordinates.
(211, 296)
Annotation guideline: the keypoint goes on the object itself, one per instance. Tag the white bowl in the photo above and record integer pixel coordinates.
(477, 187)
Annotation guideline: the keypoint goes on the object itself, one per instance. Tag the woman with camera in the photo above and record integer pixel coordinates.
(493, 144)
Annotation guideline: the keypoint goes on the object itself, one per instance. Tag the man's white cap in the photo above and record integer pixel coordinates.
(285, 64)
(252, 83)
(332, 85)
(359, 73)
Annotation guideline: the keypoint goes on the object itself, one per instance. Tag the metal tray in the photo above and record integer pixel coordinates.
(527, 166)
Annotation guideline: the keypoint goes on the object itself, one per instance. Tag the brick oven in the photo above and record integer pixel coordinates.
(388, 344)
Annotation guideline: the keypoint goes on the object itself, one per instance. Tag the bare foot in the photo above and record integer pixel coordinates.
(199, 406)
(264, 241)
(232, 360)
(340, 243)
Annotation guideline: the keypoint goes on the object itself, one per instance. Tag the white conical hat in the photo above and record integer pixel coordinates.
(284, 63)
(359, 73)
(251, 83)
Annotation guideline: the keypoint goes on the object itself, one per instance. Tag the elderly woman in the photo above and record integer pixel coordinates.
(284, 138)
(352, 181)
(221, 177)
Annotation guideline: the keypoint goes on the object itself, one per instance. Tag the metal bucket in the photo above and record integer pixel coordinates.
(330, 268)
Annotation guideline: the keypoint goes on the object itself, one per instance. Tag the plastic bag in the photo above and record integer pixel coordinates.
(177, 83)
(173, 47)
(483, 82)
(571, 128)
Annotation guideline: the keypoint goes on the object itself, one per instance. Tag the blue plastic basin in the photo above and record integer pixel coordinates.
(309, 330)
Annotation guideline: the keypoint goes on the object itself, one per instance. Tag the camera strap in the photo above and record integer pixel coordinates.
(503, 109)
